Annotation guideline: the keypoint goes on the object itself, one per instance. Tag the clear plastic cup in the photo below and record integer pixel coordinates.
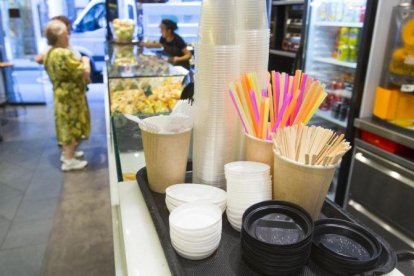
(252, 14)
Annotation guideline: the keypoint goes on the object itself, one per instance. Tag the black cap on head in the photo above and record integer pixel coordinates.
(171, 25)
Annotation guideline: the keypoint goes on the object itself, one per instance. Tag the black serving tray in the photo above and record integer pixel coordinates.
(227, 260)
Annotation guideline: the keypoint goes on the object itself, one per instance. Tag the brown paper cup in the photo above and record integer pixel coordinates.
(166, 158)
(259, 150)
(304, 185)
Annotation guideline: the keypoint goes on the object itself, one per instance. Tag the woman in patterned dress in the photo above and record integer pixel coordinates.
(69, 77)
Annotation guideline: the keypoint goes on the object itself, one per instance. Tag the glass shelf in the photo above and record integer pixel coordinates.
(131, 61)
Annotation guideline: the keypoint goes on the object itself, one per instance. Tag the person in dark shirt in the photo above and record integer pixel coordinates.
(173, 44)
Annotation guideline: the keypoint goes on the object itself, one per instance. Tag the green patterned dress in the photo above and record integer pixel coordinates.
(72, 119)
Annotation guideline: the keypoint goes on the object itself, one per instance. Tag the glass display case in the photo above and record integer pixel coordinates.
(140, 82)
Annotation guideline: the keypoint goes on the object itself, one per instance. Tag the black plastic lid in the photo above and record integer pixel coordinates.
(340, 244)
(277, 224)
(262, 258)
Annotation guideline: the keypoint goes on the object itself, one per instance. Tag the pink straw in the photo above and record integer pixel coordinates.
(282, 111)
(286, 88)
(238, 111)
(276, 91)
(264, 92)
(255, 107)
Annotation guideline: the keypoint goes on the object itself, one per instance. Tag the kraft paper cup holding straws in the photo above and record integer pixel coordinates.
(166, 155)
(304, 185)
(259, 150)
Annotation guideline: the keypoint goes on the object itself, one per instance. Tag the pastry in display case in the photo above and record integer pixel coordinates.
(144, 95)
(125, 55)
(394, 99)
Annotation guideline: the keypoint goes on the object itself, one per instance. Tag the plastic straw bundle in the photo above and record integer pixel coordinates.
(287, 101)
(310, 145)
(217, 63)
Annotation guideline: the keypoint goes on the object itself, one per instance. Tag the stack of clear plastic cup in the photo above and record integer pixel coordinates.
(215, 123)
(217, 56)
(254, 53)
(253, 36)
(252, 15)
(218, 22)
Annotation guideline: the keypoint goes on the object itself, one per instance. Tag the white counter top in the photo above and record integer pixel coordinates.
(143, 252)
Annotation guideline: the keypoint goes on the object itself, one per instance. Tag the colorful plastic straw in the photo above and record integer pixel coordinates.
(285, 101)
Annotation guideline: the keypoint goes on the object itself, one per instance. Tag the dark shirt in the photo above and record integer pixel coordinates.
(175, 48)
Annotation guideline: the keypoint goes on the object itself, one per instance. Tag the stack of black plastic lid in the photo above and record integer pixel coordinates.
(344, 248)
(276, 237)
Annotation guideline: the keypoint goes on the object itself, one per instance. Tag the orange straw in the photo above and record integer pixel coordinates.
(289, 110)
(296, 83)
(245, 104)
(309, 106)
(262, 119)
(306, 102)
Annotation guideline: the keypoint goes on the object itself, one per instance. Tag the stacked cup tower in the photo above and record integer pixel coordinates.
(253, 37)
(220, 57)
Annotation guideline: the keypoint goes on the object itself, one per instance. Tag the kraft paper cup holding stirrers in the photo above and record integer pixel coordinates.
(305, 160)
(304, 185)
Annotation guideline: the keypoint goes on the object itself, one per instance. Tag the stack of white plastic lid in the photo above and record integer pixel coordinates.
(247, 183)
(179, 194)
(195, 230)
(253, 37)
(217, 55)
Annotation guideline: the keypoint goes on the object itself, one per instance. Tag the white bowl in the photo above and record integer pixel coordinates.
(195, 217)
(246, 167)
(235, 223)
(200, 237)
(171, 204)
(186, 193)
(194, 257)
(193, 247)
(206, 240)
(196, 252)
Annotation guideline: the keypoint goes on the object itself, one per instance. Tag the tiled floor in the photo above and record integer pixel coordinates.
(53, 223)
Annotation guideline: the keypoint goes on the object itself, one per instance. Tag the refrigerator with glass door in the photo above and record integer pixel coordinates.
(335, 50)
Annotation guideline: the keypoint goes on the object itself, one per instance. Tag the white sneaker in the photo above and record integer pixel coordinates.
(77, 155)
(73, 164)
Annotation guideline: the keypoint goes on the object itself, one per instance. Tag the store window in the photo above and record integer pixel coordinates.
(93, 20)
(130, 12)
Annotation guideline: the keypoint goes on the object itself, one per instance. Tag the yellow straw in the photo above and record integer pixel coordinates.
(242, 113)
(246, 108)
(256, 85)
